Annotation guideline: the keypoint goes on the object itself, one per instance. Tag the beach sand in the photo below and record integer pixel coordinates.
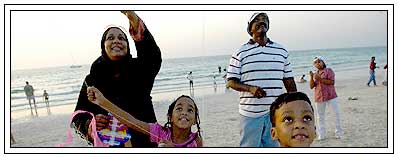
(364, 120)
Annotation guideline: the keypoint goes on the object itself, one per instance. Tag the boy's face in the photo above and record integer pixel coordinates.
(294, 124)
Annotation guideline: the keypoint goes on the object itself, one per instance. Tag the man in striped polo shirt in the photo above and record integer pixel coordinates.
(259, 70)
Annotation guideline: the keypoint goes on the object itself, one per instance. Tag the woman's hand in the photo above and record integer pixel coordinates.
(130, 15)
(317, 77)
(133, 18)
(165, 143)
(102, 121)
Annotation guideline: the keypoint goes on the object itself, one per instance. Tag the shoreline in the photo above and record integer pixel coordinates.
(219, 110)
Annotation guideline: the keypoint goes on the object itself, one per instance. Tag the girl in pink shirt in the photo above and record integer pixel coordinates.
(325, 94)
(181, 115)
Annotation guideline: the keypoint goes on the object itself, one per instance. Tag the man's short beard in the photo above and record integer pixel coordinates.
(263, 34)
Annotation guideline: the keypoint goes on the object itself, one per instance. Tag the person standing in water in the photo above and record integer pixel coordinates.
(46, 101)
(29, 92)
(190, 78)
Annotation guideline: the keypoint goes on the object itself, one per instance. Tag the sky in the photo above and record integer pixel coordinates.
(62, 38)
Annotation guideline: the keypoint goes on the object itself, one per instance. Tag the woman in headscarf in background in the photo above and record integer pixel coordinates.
(325, 94)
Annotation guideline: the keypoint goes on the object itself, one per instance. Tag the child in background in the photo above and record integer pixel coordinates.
(46, 101)
(292, 118)
(181, 115)
(302, 79)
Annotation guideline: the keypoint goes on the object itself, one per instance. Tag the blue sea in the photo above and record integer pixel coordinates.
(63, 83)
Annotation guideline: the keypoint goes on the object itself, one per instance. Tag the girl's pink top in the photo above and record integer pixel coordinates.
(159, 133)
(325, 92)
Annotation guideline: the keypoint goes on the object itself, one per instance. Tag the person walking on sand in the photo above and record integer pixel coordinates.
(190, 78)
(325, 94)
(12, 139)
(372, 67)
(29, 92)
(259, 70)
(46, 101)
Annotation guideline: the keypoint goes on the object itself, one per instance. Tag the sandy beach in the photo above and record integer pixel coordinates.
(364, 120)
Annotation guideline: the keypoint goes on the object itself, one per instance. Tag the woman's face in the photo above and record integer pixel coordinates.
(115, 44)
(318, 64)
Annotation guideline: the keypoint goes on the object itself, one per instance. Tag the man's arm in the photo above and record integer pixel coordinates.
(290, 85)
(235, 84)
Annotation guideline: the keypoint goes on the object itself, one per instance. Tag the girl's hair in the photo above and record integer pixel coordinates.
(284, 99)
(103, 52)
(170, 113)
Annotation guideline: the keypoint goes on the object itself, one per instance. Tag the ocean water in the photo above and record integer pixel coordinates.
(63, 83)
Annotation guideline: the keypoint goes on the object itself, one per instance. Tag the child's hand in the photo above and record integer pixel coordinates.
(94, 95)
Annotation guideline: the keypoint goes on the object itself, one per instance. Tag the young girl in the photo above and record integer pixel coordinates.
(181, 115)
(292, 120)
(325, 94)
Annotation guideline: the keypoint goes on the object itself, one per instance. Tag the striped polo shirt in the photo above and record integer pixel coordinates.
(262, 66)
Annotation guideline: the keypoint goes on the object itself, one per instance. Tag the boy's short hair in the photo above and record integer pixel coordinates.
(286, 98)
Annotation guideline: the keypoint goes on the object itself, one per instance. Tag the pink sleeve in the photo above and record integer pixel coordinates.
(139, 34)
(330, 74)
(155, 131)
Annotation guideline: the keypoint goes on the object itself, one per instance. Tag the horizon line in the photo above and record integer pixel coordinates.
(297, 50)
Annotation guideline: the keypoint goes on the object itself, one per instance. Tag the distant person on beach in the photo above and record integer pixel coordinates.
(259, 70)
(219, 69)
(372, 67)
(325, 94)
(45, 97)
(225, 76)
(181, 116)
(124, 80)
(29, 92)
(385, 76)
(190, 78)
(302, 79)
(292, 118)
(214, 82)
(12, 139)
